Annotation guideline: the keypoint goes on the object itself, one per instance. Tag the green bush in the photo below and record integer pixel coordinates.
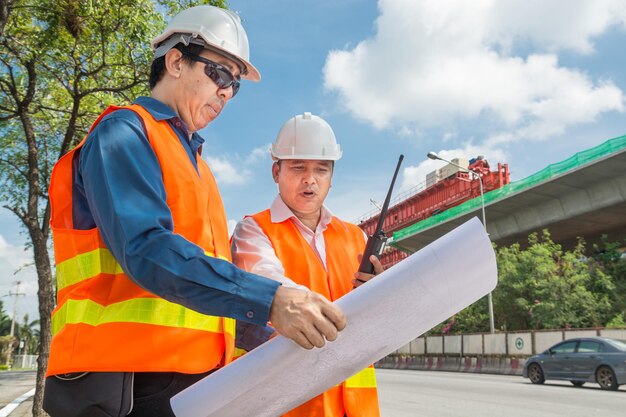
(616, 322)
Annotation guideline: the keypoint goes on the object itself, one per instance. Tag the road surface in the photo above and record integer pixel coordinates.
(405, 393)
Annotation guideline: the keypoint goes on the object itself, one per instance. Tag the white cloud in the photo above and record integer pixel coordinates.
(555, 24)
(231, 226)
(237, 170)
(437, 63)
(352, 204)
(227, 173)
(259, 154)
(16, 265)
(13, 257)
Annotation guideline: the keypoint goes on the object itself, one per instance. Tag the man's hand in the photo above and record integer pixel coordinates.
(306, 317)
(361, 278)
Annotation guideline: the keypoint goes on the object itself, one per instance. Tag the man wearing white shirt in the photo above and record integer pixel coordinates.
(299, 243)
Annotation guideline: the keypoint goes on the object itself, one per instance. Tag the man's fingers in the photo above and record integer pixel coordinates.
(301, 339)
(361, 277)
(331, 333)
(306, 317)
(315, 337)
(326, 329)
(378, 267)
(335, 315)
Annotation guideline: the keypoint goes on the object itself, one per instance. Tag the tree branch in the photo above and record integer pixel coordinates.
(5, 11)
(45, 222)
(19, 213)
(111, 89)
(8, 117)
(15, 167)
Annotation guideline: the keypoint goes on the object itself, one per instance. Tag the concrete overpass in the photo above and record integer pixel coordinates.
(584, 195)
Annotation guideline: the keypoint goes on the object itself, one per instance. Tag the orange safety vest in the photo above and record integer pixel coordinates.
(103, 320)
(357, 396)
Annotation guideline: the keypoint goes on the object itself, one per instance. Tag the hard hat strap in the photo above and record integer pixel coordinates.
(175, 39)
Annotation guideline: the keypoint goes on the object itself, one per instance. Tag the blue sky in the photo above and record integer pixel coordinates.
(525, 82)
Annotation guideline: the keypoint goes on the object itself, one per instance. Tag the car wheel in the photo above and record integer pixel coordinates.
(535, 374)
(606, 378)
(577, 383)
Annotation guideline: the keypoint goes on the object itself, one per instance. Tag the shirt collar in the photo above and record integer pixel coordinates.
(158, 110)
(161, 111)
(279, 212)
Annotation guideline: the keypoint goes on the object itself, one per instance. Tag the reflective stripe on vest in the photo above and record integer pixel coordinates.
(357, 396)
(212, 255)
(85, 266)
(104, 321)
(238, 353)
(363, 379)
(137, 310)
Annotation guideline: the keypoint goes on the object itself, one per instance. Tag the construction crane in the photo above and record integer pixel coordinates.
(446, 187)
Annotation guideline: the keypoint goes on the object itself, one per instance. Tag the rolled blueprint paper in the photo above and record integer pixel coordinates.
(382, 315)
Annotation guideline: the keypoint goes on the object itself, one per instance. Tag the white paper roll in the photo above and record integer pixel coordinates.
(383, 315)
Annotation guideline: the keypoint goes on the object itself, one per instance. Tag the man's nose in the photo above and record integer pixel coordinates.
(225, 93)
(309, 178)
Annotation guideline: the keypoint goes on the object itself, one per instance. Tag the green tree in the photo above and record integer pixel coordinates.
(5, 339)
(28, 332)
(472, 319)
(5, 321)
(61, 63)
(608, 259)
(544, 286)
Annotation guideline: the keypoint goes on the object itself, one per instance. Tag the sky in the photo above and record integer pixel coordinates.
(523, 82)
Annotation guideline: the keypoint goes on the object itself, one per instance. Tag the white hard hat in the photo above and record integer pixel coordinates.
(214, 28)
(306, 136)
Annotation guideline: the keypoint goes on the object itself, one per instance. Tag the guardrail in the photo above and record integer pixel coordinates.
(24, 362)
(518, 344)
(498, 353)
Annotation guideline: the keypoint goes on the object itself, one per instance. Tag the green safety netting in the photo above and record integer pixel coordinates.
(551, 171)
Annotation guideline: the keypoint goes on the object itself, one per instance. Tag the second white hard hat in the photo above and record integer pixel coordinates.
(213, 27)
(306, 136)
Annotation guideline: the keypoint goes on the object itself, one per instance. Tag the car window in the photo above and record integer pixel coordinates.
(620, 344)
(567, 347)
(587, 346)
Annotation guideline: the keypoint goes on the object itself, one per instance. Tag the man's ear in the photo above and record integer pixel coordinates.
(174, 63)
(275, 171)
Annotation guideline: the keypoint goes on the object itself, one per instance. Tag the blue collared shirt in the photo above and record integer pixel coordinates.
(118, 188)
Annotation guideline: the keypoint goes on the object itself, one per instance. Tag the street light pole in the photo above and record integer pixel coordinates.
(17, 293)
(434, 156)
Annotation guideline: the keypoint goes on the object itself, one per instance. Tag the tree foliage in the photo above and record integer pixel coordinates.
(546, 287)
(61, 63)
(26, 332)
(608, 259)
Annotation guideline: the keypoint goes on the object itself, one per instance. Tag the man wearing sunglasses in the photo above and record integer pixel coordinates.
(147, 295)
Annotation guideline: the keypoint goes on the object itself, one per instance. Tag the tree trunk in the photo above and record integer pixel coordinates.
(5, 10)
(46, 298)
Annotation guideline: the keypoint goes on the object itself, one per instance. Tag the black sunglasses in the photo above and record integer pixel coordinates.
(218, 73)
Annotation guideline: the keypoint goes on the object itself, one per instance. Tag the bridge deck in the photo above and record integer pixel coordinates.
(584, 195)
